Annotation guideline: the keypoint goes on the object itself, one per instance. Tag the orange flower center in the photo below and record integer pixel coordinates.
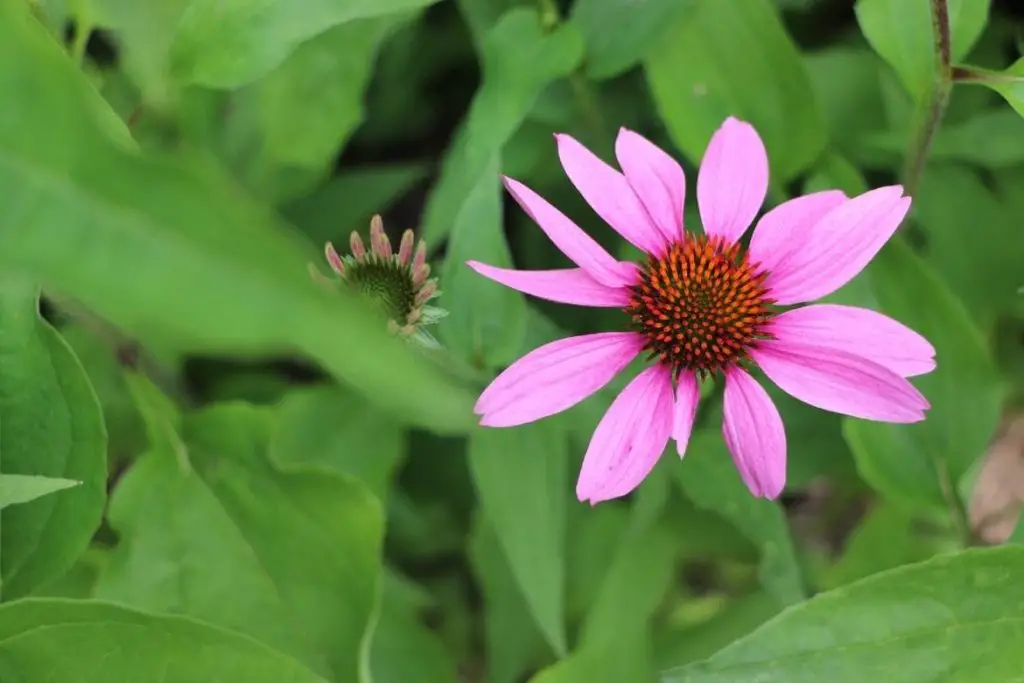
(701, 306)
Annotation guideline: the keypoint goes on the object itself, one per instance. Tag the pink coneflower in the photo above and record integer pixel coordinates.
(701, 305)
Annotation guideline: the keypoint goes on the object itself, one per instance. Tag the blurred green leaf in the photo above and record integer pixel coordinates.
(522, 477)
(1008, 83)
(696, 83)
(331, 427)
(79, 641)
(709, 478)
(901, 32)
(78, 582)
(949, 619)
(206, 266)
(912, 464)
(619, 33)
(22, 488)
(993, 138)
(51, 427)
(627, 660)
(846, 84)
(593, 537)
(289, 557)
(519, 61)
(229, 43)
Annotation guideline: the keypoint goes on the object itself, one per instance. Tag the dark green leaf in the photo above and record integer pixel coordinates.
(760, 78)
(50, 426)
(952, 619)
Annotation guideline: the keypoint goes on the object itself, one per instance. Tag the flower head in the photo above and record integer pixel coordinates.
(701, 305)
(399, 284)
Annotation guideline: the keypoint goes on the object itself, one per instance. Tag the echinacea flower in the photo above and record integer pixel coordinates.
(703, 305)
(399, 284)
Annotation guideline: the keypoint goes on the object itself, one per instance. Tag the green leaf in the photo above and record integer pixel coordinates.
(953, 619)
(993, 138)
(901, 32)
(291, 558)
(709, 478)
(618, 35)
(80, 641)
(50, 426)
(522, 477)
(330, 427)
(628, 660)
(519, 61)
(696, 83)
(487, 325)
(1008, 83)
(913, 464)
(240, 279)
(232, 42)
(846, 84)
(21, 488)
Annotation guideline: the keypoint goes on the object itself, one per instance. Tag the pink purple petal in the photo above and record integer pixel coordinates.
(840, 245)
(786, 227)
(656, 178)
(555, 377)
(733, 180)
(630, 438)
(840, 382)
(569, 286)
(754, 434)
(577, 245)
(687, 398)
(860, 332)
(610, 195)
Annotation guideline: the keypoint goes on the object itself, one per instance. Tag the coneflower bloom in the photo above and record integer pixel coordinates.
(702, 305)
(398, 283)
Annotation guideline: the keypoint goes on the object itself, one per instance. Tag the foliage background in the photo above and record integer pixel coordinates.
(213, 469)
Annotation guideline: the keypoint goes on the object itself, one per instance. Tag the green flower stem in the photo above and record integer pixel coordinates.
(930, 115)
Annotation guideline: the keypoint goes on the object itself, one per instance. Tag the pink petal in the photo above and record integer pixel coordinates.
(555, 377)
(754, 433)
(568, 286)
(630, 438)
(610, 195)
(786, 227)
(840, 382)
(860, 332)
(580, 247)
(840, 245)
(733, 180)
(687, 398)
(656, 178)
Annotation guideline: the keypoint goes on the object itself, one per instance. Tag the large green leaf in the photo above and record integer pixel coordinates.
(50, 426)
(170, 249)
(710, 480)
(22, 488)
(519, 61)
(901, 32)
(77, 641)
(697, 82)
(218, 533)
(226, 43)
(954, 619)
(921, 464)
(522, 477)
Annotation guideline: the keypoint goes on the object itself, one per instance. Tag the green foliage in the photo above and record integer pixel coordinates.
(297, 495)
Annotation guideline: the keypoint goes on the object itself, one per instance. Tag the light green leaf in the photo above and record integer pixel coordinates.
(913, 464)
(628, 660)
(21, 488)
(953, 619)
(289, 557)
(522, 478)
(901, 32)
(1008, 83)
(710, 480)
(228, 43)
(619, 33)
(207, 267)
(696, 83)
(519, 61)
(50, 426)
(846, 84)
(330, 427)
(487, 326)
(81, 641)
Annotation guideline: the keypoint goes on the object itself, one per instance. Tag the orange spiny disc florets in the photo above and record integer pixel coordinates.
(701, 306)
